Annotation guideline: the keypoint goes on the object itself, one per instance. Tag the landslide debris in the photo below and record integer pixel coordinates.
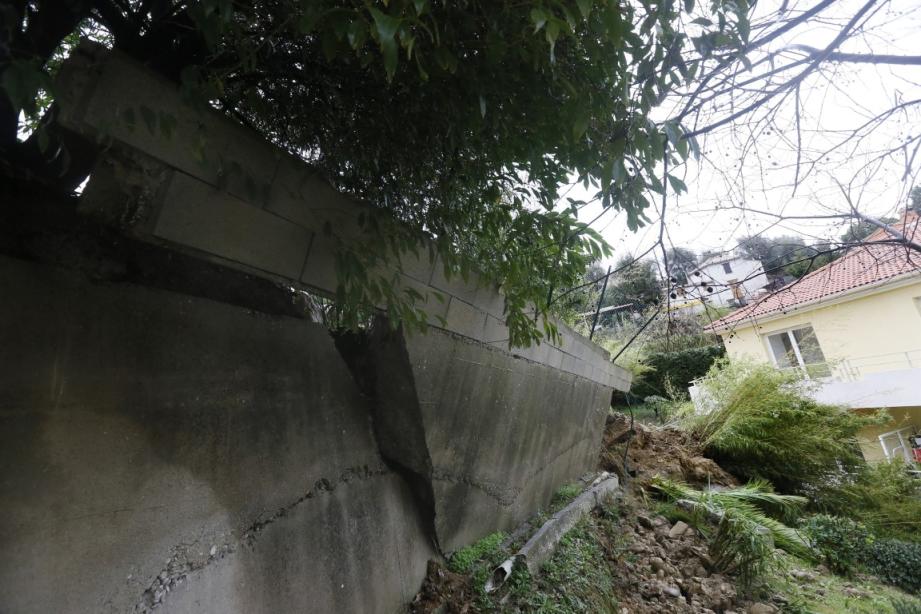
(665, 451)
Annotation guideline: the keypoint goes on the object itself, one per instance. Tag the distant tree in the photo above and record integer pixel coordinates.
(755, 248)
(681, 262)
(858, 231)
(810, 258)
(637, 283)
(775, 253)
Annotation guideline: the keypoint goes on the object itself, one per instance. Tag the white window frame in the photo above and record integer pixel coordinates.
(902, 446)
(800, 363)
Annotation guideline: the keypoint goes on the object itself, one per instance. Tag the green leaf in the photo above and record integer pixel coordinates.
(482, 106)
(387, 26)
(677, 185)
(22, 81)
(167, 124)
(585, 7)
(538, 18)
(128, 118)
(580, 126)
(357, 33)
(552, 32)
(391, 54)
(743, 27)
(41, 137)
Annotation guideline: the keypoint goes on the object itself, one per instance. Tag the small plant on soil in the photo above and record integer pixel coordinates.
(564, 495)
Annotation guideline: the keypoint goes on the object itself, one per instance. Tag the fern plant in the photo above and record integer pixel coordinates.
(747, 531)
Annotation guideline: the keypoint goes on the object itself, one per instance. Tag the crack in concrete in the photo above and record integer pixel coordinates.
(504, 495)
(183, 559)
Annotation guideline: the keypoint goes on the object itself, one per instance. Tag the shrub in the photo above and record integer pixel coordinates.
(905, 606)
(675, 369)
(763, 425)
(885, 497)
(897, 563)
(840, 541)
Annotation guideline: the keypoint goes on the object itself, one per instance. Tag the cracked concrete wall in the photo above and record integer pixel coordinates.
(164, 452)
(159, 451)
(490, 435)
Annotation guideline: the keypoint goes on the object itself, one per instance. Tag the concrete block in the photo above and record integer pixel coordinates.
(455, 286)
(433, 303)
(195, 214)
(319, 270)
(571, 364)
(498, 442)
(419, 265)
(126, 102)
(302, 195)
(496, 332)
(465, 319)
(555, 357)
(491, 300)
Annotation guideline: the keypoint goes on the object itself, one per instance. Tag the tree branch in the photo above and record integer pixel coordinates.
(860, 58)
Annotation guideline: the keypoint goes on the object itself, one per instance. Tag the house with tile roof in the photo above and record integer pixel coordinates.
(853, 326)
(726, 280)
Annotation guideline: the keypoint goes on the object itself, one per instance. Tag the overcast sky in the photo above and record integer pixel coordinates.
(762, 176)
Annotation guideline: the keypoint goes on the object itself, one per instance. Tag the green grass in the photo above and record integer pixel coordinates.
(564, 495)
(575, 579)
(830, 594)
(486, 549)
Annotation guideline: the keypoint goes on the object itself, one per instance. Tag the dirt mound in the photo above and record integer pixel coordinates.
(665, 451)
(443, 591)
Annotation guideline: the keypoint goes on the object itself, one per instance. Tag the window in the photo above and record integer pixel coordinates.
(727, 268)
(798, 348)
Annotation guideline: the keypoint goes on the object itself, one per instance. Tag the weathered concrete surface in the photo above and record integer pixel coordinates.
(145, 433)
(210, 187)
(169, 452)
(489, 436)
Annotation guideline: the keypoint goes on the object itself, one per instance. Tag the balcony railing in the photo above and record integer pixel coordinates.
(879, 380)
(852, 369)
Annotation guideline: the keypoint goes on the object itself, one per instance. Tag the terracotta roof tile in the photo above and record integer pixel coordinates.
(860, 266)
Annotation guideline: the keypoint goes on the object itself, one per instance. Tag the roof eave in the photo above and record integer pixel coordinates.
(752, 321)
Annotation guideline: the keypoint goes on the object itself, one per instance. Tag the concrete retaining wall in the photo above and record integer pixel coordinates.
(197, 181)
(161, 451)
(153, 441)
(146, 433)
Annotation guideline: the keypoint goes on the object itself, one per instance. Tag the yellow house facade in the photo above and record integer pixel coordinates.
(853, 326)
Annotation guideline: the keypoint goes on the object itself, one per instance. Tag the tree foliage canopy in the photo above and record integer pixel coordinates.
(463, 118)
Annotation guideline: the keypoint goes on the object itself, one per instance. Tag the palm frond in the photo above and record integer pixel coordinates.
(746, 534)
